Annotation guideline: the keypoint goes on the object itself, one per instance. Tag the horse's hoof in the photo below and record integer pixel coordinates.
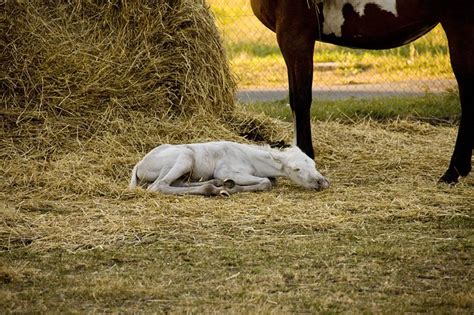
(229, 184)
(451, 177)
(224, 193)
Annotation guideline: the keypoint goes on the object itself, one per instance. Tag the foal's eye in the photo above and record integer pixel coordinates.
(296, 169)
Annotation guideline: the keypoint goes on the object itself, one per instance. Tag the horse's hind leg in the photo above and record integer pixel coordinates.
(459, 26)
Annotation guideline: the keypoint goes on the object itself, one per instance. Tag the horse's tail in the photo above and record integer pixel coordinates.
(134, 179)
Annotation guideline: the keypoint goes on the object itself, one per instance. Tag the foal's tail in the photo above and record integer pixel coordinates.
(134, 179)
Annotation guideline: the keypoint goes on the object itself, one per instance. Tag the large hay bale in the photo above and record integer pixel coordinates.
(164, 56)
(69, 68)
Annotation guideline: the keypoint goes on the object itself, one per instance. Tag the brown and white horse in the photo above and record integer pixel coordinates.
(372, 24)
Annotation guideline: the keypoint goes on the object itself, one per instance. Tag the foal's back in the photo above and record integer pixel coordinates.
(226, 151)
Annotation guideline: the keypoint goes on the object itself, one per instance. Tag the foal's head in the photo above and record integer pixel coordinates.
(302, 170)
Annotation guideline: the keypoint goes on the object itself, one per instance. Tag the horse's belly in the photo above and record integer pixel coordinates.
(375, 24)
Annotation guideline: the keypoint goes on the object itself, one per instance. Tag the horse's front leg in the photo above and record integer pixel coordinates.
(459, 28)
(460, 164)
(297, 46)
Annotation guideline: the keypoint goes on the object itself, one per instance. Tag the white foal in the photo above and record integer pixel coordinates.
(222, 167)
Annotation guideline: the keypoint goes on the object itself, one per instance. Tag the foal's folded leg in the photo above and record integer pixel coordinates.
(183, 166)
(263, 186)
(205, 189)
(240, 182)
(180, 183)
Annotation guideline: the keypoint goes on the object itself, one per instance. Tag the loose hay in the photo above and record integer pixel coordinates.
(379, 172)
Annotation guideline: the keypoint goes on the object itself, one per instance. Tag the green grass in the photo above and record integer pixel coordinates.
(257, 61)
(431, 108)
(305, 270)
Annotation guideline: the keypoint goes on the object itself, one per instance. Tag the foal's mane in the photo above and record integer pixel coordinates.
(268, 148)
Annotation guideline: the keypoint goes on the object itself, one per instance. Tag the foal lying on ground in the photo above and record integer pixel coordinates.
(222, 167)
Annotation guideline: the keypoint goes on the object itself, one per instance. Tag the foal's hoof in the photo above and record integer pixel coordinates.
(229, 184)
(224, 193)
(217, 182)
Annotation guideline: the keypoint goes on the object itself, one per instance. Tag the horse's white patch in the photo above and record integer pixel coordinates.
(295, 139)
(332, 11)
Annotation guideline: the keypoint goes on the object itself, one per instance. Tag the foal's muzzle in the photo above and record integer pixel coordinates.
(322, 184)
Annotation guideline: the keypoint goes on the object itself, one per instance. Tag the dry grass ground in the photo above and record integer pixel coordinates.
(90, 87)
(383, 238)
